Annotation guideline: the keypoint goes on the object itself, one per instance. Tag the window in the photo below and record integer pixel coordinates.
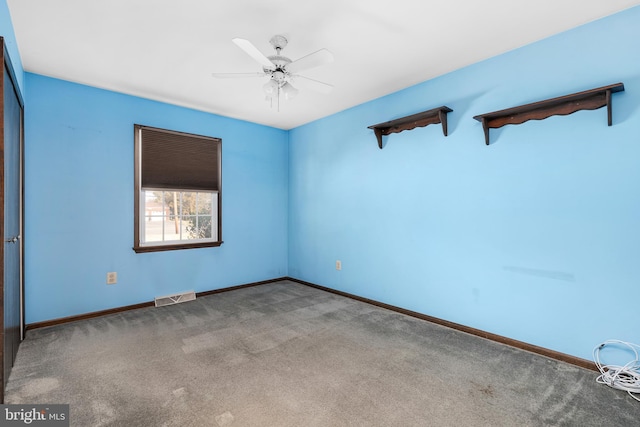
(177, 190)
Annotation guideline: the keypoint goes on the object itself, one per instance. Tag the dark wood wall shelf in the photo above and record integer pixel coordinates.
(425, 118)
(561, 106)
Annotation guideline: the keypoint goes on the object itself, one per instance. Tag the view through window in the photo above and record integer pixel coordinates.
(172, 216)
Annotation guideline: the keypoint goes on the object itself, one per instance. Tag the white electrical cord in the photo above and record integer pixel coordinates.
(625, 377)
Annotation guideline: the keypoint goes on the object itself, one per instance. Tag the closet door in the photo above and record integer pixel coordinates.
(11, 219)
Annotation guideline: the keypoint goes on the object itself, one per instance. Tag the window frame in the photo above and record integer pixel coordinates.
(139, 205)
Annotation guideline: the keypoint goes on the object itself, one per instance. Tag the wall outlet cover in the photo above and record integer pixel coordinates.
(112, 278)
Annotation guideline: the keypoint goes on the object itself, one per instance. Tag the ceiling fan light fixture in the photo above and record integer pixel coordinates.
(270, 88)
(289, 91)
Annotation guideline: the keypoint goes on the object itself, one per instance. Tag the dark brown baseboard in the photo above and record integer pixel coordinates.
(91, 315)
(233, 288)
(68, 319)
(577, 361)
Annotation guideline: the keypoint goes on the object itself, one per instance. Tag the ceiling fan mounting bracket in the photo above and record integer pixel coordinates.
(278, 42)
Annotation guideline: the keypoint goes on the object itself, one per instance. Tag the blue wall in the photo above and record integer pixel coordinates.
(79, 202)
(6, 31)
(535, 237)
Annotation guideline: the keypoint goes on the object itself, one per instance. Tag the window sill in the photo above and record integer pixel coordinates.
(160, 248)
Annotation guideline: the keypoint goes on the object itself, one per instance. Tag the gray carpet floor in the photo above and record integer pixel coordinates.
(284, 354)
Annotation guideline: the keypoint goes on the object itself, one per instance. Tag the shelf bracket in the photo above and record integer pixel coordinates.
(609, 112)
(378, 133)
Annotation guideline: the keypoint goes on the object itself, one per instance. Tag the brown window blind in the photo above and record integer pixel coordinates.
(175, 160)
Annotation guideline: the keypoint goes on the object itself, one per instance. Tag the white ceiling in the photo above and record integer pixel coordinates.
(166, 50)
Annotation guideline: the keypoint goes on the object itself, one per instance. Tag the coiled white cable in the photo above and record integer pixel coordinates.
(625, 377)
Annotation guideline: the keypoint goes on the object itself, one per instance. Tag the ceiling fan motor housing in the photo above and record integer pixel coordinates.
(280, 74)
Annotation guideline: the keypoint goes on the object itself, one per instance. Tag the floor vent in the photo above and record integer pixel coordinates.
(174, 299)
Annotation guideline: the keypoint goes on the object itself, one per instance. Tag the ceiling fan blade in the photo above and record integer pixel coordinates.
(315, 59)
(236, 75)
(313, 84)
(254, 53)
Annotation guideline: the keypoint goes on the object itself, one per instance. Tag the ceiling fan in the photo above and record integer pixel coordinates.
(282, 71)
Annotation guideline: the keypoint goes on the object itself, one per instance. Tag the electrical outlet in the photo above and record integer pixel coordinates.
(338, 265)
(112, 278)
